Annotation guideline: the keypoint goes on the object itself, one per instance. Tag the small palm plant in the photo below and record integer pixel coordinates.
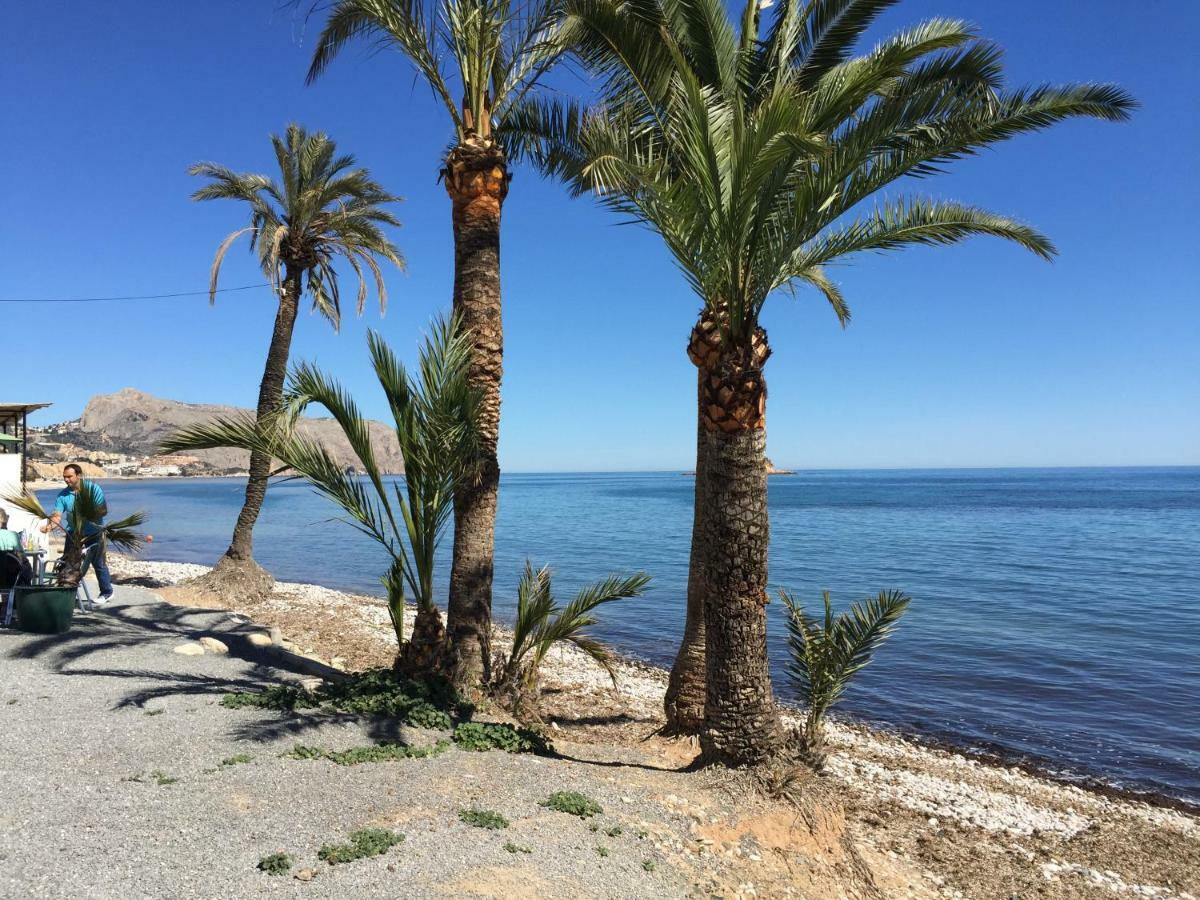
(541, 623)
(435, 412)
(84, 519)
(825, 655)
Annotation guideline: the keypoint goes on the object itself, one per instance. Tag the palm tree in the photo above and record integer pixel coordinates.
(541, 623)
(435, 413)
(827, 653)
(497, 52)
(323, 209)
(751, 155)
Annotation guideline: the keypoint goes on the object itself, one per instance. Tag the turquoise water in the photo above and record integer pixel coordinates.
(1056, 615)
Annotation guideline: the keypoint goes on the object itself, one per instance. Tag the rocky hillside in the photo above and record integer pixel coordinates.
(135, 423)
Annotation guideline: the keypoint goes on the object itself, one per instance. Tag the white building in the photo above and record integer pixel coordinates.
(13, 445)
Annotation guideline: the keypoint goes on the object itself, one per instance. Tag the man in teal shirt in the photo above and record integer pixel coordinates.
(64, 505)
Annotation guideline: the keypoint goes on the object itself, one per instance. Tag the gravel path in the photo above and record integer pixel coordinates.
(94, 720)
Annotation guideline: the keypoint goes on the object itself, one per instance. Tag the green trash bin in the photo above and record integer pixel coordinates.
(45, 609)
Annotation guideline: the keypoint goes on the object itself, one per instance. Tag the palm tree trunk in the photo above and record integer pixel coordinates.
(477, 178)
(686, 691)
(240, 555)
(741, 722)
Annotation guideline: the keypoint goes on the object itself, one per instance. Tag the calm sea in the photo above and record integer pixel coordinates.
(1056, 615)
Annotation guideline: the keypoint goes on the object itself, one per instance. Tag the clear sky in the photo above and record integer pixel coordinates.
(976, 355)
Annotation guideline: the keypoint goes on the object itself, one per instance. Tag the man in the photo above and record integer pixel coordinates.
(62, 518)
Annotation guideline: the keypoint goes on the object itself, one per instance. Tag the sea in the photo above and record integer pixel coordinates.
(1055, 618)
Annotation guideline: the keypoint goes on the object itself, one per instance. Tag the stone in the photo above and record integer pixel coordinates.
(258, 639)
(338, 662)
(191, 648)
(306, 875)
(212, 645)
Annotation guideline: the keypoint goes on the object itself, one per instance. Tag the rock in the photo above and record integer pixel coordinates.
(212, 645)
(338, 662)
(276, 635)
(258, 639)
(288, 646)
(306, 875)
(311, 685)
(191, 648)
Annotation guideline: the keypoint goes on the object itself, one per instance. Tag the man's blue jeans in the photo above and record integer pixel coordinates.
(99, 564)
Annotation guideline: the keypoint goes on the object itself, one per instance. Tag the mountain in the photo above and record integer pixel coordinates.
(135, 423)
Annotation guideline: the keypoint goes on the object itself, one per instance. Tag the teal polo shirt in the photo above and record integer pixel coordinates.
(9, 540)
(65, 504)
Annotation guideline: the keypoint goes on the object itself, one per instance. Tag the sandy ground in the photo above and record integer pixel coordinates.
(888, 819)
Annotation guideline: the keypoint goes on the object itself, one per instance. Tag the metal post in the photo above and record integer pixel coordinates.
(24, 445)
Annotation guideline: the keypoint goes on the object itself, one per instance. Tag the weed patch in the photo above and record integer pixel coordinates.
(481, 736)
(237, 759)
(516, 848)
(572, 803)
(158, 777)
(380, 692)
(364, 843)
(388, 751)
(153, 712)
(483, 818)
(648, 865)
(276, 864)
(602, 851)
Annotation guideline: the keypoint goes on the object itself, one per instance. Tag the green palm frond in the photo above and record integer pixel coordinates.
(125, 534)
(535, 604)
(27, 503)
(435, 417)
(490, 52)
(541, 623)
(825, 653)
(321, 207)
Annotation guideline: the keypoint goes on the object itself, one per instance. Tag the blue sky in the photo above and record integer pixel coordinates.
(977, 355)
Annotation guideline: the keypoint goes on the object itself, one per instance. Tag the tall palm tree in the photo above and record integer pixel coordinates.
(322, 210)
(751, 155)
(435, 412)
(496, 52)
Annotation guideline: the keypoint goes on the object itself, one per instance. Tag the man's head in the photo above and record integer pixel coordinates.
(3, 518)
(72, 475)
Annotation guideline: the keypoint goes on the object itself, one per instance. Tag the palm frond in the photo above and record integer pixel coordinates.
(27, 503)
(824, 655)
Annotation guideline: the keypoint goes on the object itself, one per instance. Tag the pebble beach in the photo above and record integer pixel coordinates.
(923, 821)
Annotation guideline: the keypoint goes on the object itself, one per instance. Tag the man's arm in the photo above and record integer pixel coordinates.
(60, 506)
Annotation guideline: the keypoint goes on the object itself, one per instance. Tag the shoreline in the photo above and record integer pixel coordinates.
(876, 730)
